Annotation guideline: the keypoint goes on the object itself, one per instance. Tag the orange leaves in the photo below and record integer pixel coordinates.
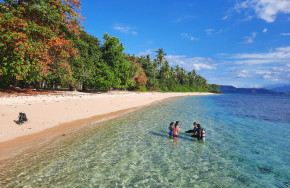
(75, 3)
(36, 44)
(140, 77)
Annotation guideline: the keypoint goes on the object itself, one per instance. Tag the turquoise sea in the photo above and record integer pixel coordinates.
(247, 145)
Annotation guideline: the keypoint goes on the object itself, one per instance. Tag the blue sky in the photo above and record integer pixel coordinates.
(229, 42)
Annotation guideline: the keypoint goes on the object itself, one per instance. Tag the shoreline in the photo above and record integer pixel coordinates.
(24, 143)
(53, 116)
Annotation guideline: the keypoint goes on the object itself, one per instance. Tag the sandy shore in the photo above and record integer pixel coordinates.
(51, 116)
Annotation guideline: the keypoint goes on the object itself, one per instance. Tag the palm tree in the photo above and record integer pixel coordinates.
(148, 59)
(193, 73)
(166, 75)
(160, 57)
(177, 69)
(183, 76)
(172, 73)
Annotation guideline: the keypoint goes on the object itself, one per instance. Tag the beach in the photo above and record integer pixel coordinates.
(56, 115)
(134, 149)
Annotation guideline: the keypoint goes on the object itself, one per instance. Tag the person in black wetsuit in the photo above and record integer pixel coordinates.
(197, 133)
(193, 130)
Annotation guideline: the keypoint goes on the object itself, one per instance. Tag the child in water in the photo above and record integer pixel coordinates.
(176, 129)
(171, 129)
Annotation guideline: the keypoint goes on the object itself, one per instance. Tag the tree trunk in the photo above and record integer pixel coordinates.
(84, 88)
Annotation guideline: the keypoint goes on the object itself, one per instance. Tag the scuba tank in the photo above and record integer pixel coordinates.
(203, 133)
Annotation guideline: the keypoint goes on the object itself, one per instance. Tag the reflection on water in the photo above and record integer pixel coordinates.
(135, 150)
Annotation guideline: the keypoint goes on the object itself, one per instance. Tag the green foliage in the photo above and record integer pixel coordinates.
(41, 45)
(102, 67)
(36, 40)
(165, 78)
(85, 66)
(160, 57)
(112, 54)
(213, 88)
(105, 78)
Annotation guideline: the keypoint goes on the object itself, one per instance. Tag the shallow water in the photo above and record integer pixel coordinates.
(247, 145)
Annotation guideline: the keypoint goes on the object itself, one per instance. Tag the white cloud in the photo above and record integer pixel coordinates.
(285, 34)
(264, 9)
(273, 74)
(212, 31)
(134, 32)
(199, 66)
(196, 63)
(188, 36)
(265, 30)
(247, 18)
(250, 39)
(183, 18)
(283, 49)
(271, 67)
(225, 17)
(209, 31)
(254, 61)
(280, 55)
(125, 29)
(146, 52)
(242, 73)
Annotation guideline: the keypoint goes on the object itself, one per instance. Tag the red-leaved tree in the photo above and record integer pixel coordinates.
(36, 40)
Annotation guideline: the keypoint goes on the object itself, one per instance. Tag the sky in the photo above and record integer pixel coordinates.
(244, 43)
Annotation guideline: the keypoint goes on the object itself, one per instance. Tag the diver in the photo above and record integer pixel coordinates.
(193, 130)
(199, 133)
(196, 131)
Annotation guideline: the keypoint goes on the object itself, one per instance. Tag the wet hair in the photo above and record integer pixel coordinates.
(176, 123)
(198, 126)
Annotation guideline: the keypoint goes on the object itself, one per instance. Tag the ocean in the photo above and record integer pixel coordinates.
(247, 145)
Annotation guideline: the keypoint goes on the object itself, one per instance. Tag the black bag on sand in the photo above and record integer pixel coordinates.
(22, 118)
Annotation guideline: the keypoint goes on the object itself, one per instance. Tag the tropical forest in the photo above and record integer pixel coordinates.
(43, 45)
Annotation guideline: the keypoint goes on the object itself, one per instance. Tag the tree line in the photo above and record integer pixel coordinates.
(42, 45)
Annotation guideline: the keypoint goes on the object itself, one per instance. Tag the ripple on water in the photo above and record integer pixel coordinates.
(135, 151)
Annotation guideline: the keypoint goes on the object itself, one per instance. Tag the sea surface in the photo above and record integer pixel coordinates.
(247, 145)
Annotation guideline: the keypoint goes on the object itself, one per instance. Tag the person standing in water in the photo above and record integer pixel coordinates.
(176, 129)
(171, 129)
(193, 130)
(177, 122)
(196, 134)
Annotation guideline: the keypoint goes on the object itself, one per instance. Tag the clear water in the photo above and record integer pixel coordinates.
(247, 145)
